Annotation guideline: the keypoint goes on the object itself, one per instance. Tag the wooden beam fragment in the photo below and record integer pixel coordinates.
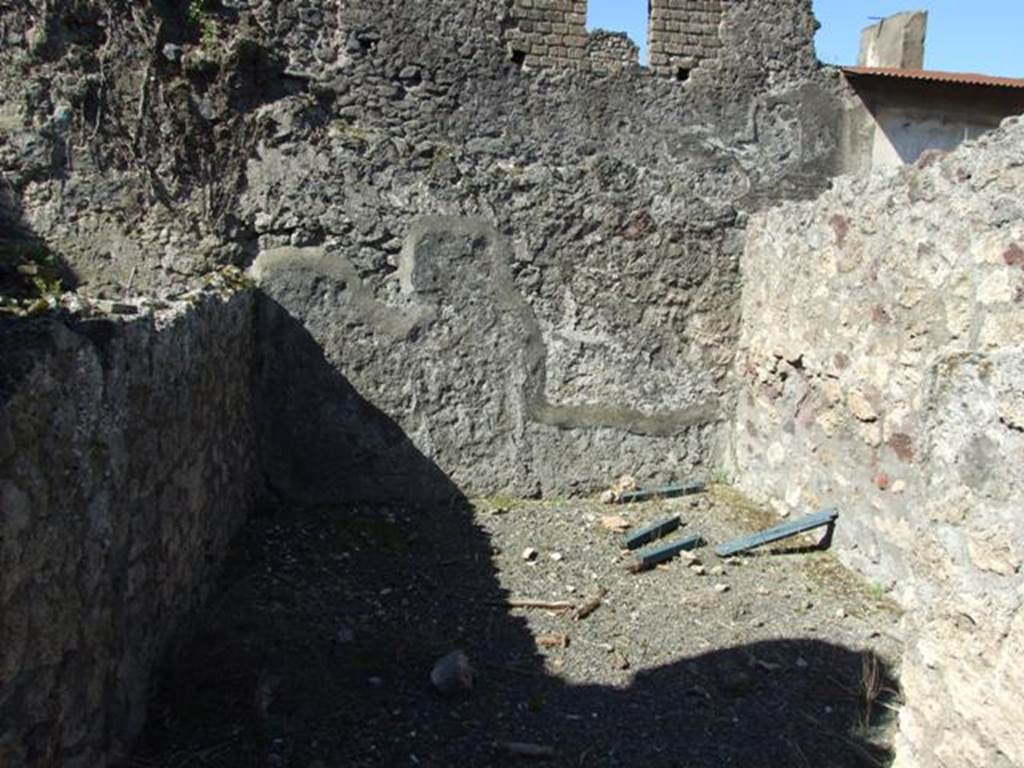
(544, 605)
(591, 605)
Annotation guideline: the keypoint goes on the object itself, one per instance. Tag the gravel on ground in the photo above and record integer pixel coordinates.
(318, 650)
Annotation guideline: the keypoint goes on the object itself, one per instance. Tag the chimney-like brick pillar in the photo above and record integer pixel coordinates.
(683, 34)
(897, 41)
(550, 33)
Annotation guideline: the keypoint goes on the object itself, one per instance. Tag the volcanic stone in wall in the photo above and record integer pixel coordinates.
(533, 277)
(880, 363)
(608, 214)
(456, 357)
(127, 463)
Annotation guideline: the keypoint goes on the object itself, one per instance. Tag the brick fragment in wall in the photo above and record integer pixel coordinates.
(682, 34)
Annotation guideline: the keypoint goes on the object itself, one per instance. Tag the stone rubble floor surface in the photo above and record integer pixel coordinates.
(317, 650)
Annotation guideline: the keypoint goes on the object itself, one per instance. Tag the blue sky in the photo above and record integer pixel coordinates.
(963, 35)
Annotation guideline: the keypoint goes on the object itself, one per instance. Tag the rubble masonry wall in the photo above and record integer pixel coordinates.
(127, 463)
(532, 274)
(474, 276)
(880, 370)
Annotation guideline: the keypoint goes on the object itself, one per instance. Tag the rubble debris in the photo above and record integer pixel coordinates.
(651, 532)
(657, 621)
(648, 558)
(529, 554)
(623, 485)
(522, 749)
(784, 531)
(661, 492)
(556, 640)
(452, 673)
(616, 523)
(591, 605)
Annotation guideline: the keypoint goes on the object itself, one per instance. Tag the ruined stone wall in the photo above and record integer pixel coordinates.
(880, 369)
(532, 274)
(127, 462)
(490, 257)
(553, 33)
(685, 34)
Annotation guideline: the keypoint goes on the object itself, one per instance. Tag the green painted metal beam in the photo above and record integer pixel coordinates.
(662, 492)
(648, 558)
(783, 531)
(652, 532)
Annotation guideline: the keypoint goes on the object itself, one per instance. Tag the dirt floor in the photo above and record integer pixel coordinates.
(318, 650)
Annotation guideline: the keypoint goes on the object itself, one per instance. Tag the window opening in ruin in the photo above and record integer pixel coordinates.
(682, 74)
(621, 16)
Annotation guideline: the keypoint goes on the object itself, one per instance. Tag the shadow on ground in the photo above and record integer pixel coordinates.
(318, 650)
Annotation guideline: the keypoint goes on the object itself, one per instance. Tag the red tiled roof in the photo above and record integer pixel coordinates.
(958, 78)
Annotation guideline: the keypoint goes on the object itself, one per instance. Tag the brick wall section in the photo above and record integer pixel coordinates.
(550, 33)
(684, 33)
(611, 51)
